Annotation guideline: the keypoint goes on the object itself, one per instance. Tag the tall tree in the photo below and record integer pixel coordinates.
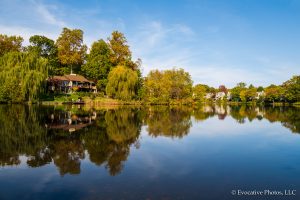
(274, 93)
(46, 48)
(121, 54)
(10, 43)
(166, 85)
(98, 64)
(292, 89)
(181, 83)
(199, 92)
(122, 83)
(71, 50)
(248, 94)
(22, 76)
(236, 91)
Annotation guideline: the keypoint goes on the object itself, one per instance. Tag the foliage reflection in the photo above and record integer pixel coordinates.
(65, 136)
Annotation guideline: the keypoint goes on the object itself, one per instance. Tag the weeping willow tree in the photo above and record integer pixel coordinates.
(20, 133)
(22, 77)
(122, 83)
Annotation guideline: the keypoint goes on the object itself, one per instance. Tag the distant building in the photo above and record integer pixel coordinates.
(209, 95)
(69, 83)
(222, 93)
(229, 96)
(260, 94)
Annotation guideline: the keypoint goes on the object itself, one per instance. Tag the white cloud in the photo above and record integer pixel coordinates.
(30, 18)
(45, 13)
(162, 47)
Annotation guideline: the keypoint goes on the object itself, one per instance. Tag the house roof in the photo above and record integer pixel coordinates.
(72, 77)
(60, 78)
(76, 77)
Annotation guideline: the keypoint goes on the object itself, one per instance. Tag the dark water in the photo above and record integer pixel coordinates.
(149, 153)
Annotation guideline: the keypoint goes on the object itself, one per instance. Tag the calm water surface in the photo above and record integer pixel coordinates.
(148, 153)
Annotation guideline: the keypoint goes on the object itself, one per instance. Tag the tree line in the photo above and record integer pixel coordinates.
(109, 63)
(287, 92)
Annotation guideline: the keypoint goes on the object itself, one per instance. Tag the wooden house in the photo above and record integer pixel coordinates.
(70, 83)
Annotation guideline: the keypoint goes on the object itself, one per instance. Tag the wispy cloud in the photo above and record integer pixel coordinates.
(161, 46)
(219, 45)
(32, 17)
(45, 12)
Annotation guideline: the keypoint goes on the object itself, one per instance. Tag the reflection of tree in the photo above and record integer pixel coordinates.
(110, 144)
(203, 112)
(67, 154)
(27, 131)
(122, 125)
(240, 113)
(237, 113)
(109, 138)
(40, 158)
(170, 122)
(288, 116)
(20, 133)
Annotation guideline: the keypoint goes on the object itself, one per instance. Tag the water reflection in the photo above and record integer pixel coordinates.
(169, 122)
(65, 136)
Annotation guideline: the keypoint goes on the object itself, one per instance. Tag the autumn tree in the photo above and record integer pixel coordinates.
(162, 86)
(122, 83)
(71, 50)
(121, 54)
(181, 83)
(274, 93)
(248, 94)
(164, 121)
(10, 44)
(156, 86)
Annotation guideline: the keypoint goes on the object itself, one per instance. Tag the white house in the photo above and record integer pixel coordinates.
(220, 95)
(260, 95)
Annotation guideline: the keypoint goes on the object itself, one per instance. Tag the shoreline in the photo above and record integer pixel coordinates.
(114, 102)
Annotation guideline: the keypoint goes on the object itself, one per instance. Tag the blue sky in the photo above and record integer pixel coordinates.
(216, 41)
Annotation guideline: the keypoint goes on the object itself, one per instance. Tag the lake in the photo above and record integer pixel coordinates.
(158, 152)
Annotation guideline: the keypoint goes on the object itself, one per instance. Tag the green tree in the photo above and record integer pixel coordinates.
(163, 86)
(199, 92)
(10, 44)
(241, 85)
(156, 86)
(71, 50)
(236, 91)
(22, 76)
(181, 83)
(46, 48)
(248, 94)
(260, 89)
(122, 83)
(98, 64)
(292, 89)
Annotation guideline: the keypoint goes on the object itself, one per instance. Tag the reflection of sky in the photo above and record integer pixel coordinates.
(214, 158)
